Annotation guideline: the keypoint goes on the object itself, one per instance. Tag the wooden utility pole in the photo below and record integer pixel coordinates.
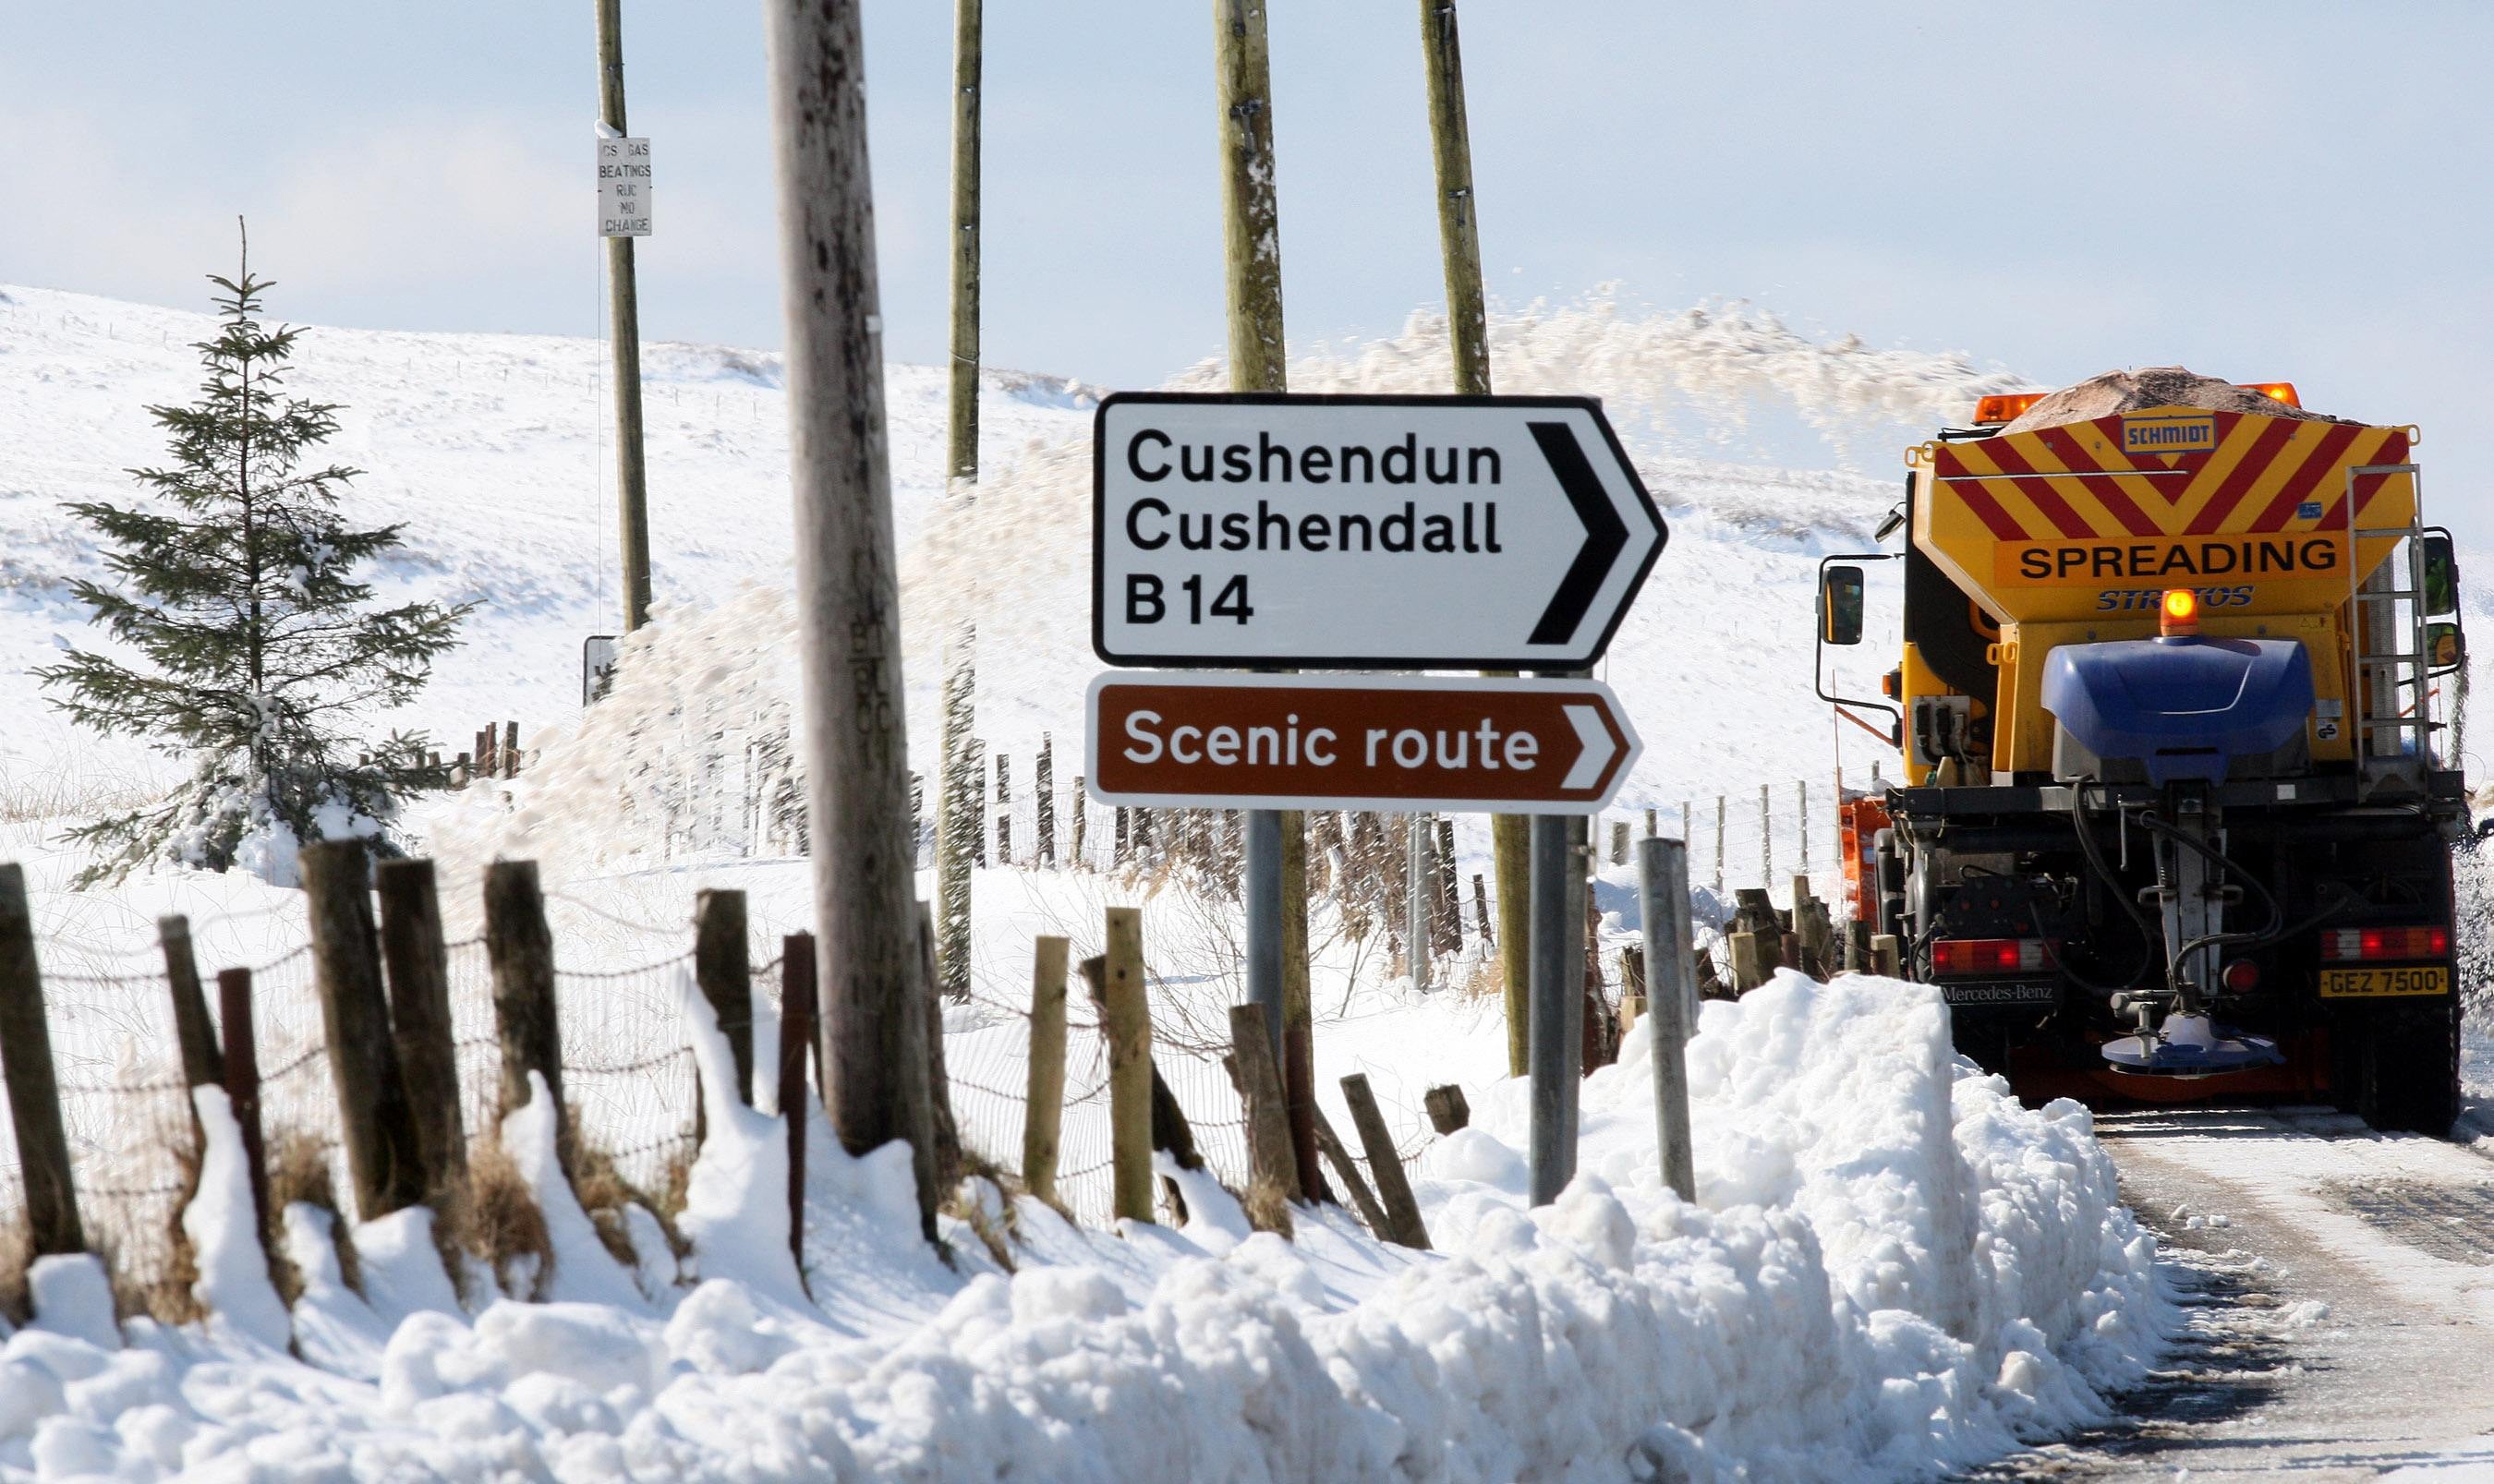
(1468, 330)
(957, 780)
(848, 593)
(963, 460)
(1277, 846)
(624, 315)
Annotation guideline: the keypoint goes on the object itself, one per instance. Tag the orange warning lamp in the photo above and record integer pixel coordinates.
(2178, 616)
(2004, 407)
(2276, 391)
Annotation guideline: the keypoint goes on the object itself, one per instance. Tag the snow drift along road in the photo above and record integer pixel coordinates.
(1892, 1269)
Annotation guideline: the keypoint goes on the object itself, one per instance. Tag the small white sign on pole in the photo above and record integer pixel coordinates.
(623, 188)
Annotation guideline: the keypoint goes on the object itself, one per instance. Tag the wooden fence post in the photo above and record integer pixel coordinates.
(795, 1035)
(1884, 958)
(1126, 1018)
(723, 967)
(33, 1091)
(1632, 991)
(1044, 1110)
(1270, 1158)
(1449, 1108)
(418, 967)
(1748, 971)
(242, 1080)
(1042, 786)
(201, 1062)
(1330, 1145)
(1080, 808)
(521, 951)
(1394, 1190)
(373, 1111)
(1480, 911)
(510, 749)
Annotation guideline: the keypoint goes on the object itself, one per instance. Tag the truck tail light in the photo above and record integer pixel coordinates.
(2349, 945)
(1988, 957)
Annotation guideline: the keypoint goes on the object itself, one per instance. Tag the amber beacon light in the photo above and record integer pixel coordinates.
(2179, 616)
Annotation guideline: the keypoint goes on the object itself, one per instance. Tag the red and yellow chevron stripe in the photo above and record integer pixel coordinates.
(2039, 522)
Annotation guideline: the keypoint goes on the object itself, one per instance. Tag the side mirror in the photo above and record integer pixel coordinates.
(2446, 648)
(1840, 605)
(2441, 577)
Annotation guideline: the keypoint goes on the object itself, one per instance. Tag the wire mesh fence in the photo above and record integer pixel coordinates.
(126, 1110)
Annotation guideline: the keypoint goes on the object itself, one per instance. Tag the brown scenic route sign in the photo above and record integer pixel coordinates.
(1196, 739)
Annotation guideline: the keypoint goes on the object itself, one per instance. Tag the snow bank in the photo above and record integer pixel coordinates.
(1891, 1270)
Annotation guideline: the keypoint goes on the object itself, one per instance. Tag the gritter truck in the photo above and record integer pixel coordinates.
(2180, 787)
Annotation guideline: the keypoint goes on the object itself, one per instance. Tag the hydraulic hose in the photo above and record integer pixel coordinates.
(2275, 930)
(2096, 862)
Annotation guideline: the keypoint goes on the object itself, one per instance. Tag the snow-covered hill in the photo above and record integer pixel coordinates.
(497, 451)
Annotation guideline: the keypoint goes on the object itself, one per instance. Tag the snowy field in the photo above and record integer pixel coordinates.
(1891, 1270)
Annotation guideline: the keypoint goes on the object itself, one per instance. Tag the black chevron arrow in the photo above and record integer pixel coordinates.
(1606, 534)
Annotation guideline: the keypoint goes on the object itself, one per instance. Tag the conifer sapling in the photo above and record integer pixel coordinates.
(244, 640)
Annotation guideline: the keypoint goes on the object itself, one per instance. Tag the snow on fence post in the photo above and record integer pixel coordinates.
(1394, 1190)
(33, 1091)
(510, 749)
(1126, 1019)
(1081, 808)
(1662, 891)
(1481, 910)
(520, 950)
(1884, 958)
(373, 1110)
(1618, 842)
(956, 805)
(192, 1027)
(242, 1082)
(1719, 844)
(724, 968)
(418, 970)
(1801, 800)
(1004, 808)
(1042, 786)
(796, 1036)
(1766, 834)
(1043, 1106)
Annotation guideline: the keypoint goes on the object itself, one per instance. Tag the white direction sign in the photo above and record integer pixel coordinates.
(1362, 532)
(623, 188)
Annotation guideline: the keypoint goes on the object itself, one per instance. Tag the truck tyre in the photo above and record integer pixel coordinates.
(2417, 1072)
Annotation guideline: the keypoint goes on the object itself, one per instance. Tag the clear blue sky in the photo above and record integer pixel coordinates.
(2259, 190)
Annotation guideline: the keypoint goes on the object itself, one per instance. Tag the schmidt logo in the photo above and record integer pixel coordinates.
(2182, 434)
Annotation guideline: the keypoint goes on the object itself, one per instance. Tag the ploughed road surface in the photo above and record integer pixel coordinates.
(2338, 1294)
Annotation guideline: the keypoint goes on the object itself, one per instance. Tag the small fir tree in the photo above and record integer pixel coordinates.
(247, 643)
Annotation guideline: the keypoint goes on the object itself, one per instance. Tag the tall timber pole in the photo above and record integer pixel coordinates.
(1468, 330)
(960, 770)
(623, 316)
(1276, 866)
(875, 1003)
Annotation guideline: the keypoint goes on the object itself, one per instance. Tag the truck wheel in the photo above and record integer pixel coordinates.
(2402, 1068)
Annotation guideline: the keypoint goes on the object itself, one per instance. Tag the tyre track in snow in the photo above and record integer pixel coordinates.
(2336, 1288)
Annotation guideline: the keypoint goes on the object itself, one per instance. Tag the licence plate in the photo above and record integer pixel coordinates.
(2382, 983)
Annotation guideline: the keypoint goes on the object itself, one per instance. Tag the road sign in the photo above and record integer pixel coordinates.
(623, 188)
(1187, 740)
(1362, 532)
